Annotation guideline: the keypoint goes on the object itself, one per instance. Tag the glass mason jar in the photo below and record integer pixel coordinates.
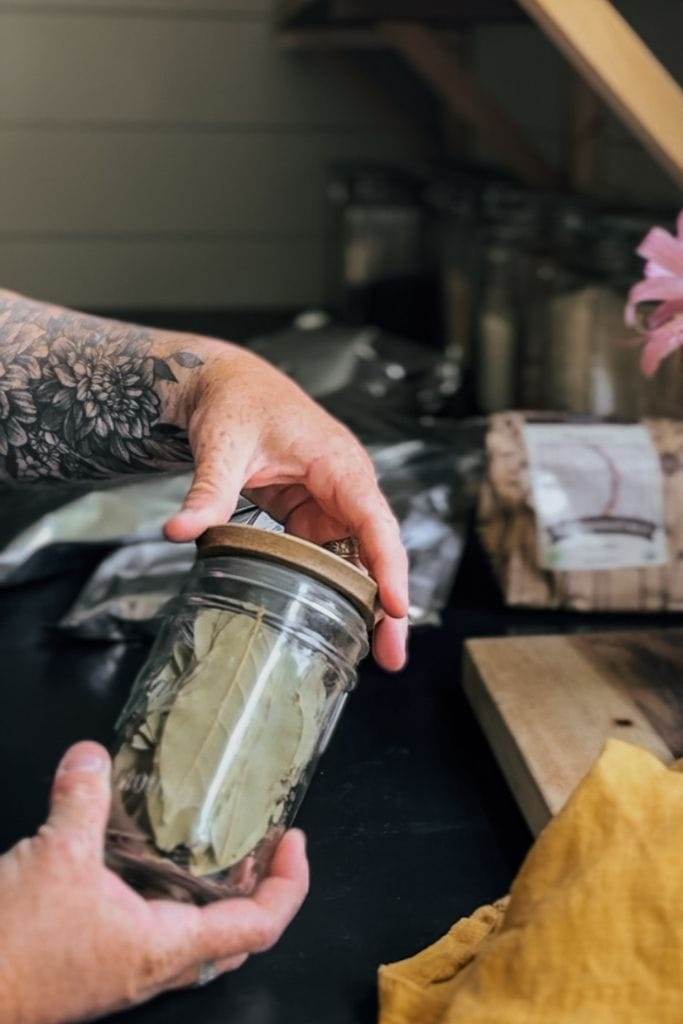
(591, 364)
(227, 718)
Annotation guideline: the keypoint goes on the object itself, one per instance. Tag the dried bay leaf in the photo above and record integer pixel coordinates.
(267, 757)
(273, 759)
(148, 733)
(195, 750)
(182, 656)
(207, 624)
(236, 741)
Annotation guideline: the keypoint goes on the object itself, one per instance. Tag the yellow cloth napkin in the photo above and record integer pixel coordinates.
(593, 931)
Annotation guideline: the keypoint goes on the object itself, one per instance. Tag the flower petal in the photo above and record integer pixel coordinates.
(665, 311)
(664, 250)
(62, 399)
(660, 344)
(16, 377)
(16, 435)
(654, 289)
(62, 349)
(23, 406)
(65, 376)
(31, 365)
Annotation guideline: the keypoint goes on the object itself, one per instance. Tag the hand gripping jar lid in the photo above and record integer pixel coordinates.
(285, 549)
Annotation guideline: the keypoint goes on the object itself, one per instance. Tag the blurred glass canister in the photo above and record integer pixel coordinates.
(379, 271)
(509, 227)
(453, 203)
(228, 716)
(591, 365)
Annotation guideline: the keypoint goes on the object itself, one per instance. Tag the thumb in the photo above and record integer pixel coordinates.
(211, 499)
(79, 803)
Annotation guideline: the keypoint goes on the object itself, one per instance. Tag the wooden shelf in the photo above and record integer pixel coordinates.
(610, 58)
(363, 13)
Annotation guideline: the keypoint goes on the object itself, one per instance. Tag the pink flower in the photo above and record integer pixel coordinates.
(662, 285)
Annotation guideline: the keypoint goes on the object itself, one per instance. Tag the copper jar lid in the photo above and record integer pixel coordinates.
(296, 553)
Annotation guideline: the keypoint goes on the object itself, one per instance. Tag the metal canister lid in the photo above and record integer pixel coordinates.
(285, 549)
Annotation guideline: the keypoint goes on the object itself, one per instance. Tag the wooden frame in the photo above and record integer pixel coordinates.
(449, 13)
(615, 62)
(609, 56)
(428, 54)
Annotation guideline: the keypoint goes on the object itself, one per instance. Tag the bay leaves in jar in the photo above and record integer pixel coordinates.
(236, 740)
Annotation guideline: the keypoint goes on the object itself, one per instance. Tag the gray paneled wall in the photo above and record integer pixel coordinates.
(164, 153)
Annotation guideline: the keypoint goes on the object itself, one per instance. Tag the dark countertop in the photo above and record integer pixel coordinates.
(410, 823)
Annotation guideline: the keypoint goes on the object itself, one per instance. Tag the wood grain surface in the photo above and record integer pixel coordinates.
(548, 704)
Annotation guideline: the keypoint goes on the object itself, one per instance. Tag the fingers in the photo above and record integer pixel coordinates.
(353, 497)
(190, 977)
(225, 933)
(79, 804)
(240, 926)
(304, 516)
(389, 643)
(283, 501)
(299, 512)
(220, 470)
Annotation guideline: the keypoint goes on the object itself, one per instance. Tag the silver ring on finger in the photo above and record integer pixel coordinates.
(346, 548)
(208, 972)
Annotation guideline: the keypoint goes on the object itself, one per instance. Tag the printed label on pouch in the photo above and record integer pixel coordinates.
(598, 496)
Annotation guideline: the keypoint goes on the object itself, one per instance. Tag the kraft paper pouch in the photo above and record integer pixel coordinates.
(584, 515)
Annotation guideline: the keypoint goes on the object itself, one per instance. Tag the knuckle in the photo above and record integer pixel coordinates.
(146, 962)
(265, 936)
(26, 847)
(236, 962)
(64, 847)
(79, 787)
(153, 970)
(204, 487)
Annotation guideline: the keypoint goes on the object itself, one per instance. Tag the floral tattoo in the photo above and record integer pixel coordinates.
(79, 396)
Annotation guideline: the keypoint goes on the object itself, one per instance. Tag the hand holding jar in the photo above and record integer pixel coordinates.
(77, 942)
(84, 397)
(253, 430)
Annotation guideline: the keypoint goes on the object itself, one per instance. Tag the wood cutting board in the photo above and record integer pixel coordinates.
(548, 704)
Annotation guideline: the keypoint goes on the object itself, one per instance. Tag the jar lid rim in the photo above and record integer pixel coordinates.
(286, 549)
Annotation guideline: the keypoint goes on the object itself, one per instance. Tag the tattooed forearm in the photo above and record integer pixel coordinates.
(82, 397)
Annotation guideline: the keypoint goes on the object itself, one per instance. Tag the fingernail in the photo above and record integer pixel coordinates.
(302, 837)
(82, 761)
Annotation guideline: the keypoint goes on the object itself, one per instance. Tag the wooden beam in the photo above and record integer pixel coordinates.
(615, 61)
(585, 127)
(428, 54)
(331, 39)
(348, 13)
(456, 13)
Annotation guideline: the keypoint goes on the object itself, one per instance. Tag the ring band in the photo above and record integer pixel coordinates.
(208, 972)
(347, 548)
